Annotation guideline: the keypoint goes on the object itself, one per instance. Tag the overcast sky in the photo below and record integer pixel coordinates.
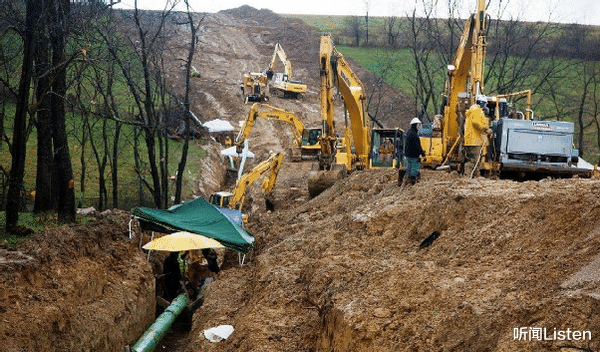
(565, 11)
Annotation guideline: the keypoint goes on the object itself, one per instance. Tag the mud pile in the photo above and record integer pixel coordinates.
(345, 271)
(76, 288)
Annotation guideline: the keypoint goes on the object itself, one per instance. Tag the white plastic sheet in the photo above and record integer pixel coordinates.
(218, 333)
(218, 125)
(232, 152)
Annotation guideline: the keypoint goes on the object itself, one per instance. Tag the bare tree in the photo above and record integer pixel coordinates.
(367, 8)
(595, 106)
(63, 170)
(194, 27)
(34, 10)
(392, 26)
(148, 91)
(353, 25)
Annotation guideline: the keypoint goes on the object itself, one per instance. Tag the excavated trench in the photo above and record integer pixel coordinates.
(76, 288)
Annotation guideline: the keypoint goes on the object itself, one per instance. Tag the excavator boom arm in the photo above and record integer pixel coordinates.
(287, 65)
(353, 92)
(272, 113)
(273, 164)
(336, 71)
(467, 71)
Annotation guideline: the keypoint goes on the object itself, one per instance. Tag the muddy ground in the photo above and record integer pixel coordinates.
(341, 272)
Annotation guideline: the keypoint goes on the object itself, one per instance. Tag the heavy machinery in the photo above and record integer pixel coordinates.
(254, 85)
(283, 85)
(358, 148)
(482, 134)
(235, 199)
(306, 140)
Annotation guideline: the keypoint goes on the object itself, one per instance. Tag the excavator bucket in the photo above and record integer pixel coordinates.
(320, 180)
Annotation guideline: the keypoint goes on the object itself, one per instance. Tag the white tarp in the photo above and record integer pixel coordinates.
(218, 333)
(232, 152)
(582, 164)
(218, 126)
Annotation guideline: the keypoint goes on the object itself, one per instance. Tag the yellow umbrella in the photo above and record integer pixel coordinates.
(182, 241)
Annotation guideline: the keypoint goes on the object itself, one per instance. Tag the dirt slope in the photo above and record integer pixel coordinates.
(242, 40)
(344, 272)
(76, 288)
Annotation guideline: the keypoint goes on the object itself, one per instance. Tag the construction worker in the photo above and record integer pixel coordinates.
(412, 152)
(386, 150)
(476, 138)
(228, 142)
(172, 276)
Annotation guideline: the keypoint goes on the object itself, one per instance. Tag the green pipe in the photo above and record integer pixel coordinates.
(155, 333)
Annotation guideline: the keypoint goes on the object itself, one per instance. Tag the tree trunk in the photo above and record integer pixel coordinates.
(19, 145)
(115, 157)
(186, 106)
(62, 158)
(44, 201)
(82, 158)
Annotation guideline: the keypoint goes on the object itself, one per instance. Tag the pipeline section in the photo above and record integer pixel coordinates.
(155, 333)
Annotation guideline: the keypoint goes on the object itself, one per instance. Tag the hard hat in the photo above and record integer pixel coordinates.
(415, 120)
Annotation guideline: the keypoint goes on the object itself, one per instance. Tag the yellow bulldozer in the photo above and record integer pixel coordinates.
(254, 87)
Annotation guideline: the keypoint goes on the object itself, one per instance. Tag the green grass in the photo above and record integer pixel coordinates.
(390, 63)
(323, 23)
(127, 176)
(34, 222)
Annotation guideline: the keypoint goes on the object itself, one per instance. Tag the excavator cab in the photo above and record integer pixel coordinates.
(220, 199)
(387, 147)
(310, 136)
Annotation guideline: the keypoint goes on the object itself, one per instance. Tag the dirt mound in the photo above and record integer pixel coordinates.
(344, 272)
(75, 288)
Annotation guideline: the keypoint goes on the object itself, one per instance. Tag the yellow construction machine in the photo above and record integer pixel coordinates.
(480, 134)
(235, 199)
(306, 140)
(254, 85)
(283, 85)
(359, 147)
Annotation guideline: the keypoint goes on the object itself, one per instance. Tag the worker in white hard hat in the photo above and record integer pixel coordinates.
(412, 152)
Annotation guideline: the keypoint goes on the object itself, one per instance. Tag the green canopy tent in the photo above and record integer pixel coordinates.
(196, 216)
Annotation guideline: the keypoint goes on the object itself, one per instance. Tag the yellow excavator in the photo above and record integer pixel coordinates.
(306, 140)
(479, 134)
(360, 145)
(235, 199)
(283, 85)
(254, 86)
